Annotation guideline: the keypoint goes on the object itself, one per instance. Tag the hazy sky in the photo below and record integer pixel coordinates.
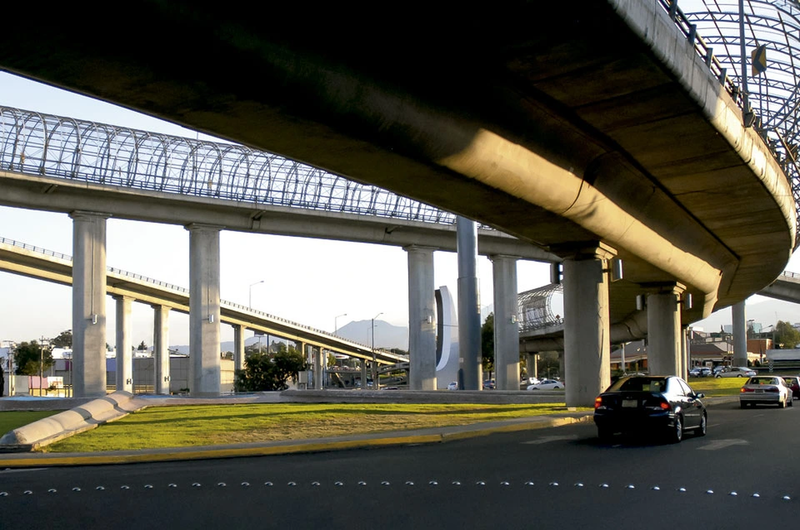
(309, 281)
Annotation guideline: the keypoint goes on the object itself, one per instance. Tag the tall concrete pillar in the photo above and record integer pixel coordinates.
(532, 365)
(506, 328)
(89, 303)
(363, 374)
(123, 345)
(421, 319)
(317, 353)
(739, 334)
(204, 365)
(161, 348)
(587, 348)
(686, 362)
(238, 347)
(469, 306)
(664, 329)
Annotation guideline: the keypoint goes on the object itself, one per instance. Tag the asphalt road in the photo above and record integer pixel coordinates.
(743, 474)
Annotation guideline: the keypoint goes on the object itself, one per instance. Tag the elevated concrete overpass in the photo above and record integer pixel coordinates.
(590, 128)
(54, 267)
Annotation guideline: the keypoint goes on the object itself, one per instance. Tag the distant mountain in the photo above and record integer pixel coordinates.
(387, 336)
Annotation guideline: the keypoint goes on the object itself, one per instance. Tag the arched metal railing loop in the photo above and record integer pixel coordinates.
(55, 146)
(773, 94)
(183, 290)
(534, 308)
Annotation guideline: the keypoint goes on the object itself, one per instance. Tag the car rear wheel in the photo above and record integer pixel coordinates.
(676, 434)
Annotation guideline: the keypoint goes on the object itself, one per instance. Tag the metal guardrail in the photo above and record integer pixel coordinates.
(183, 290)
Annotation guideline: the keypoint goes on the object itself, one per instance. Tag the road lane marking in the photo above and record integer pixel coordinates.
(548, 439)
(722, 444)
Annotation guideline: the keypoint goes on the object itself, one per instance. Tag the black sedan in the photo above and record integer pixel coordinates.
(661, 405)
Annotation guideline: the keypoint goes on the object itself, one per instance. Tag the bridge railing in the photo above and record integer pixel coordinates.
(172, 287)
(42, 144)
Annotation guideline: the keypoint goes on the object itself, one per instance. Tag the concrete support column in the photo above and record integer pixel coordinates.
(587, 348)
(363, 374)
(89, 303)
(161, 348)
(506, 328)
(533, 365)
(469, 306)
(739, 334)
(204, 365)
(664, 329)
(421, 319)
(686, 362)
(238, 347)
(317, 353)
(123, 345)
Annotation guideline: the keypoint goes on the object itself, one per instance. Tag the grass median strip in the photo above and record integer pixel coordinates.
(198, 425)
(12, 419)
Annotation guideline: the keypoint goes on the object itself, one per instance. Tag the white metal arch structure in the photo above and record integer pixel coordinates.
(35, 143)
(773, 95)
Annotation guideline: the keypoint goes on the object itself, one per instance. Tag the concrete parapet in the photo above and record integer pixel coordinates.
(64, 424)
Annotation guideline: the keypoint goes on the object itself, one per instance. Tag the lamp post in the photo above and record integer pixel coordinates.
(336, 323)
(250, 294)
(375, 382)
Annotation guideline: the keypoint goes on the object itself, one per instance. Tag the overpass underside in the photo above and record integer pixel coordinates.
(576, 126)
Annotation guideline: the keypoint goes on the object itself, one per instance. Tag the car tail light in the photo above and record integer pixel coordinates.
(598, 402)
(743, 390)
(657, 404)
(772, 389)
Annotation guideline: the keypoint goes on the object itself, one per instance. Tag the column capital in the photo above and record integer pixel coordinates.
(120, 297)
(160, 307)
(583, 250)
(420, 248)
(85, 214)
(675, 288)
(502, 257)
(201, 227)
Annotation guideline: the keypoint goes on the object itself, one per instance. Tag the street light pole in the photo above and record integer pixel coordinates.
(336, 323)
(375, 382)
(250, 294)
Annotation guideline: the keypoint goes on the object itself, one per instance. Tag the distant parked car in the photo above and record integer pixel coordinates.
(453, 385)
(736, 371)
(700, 371)
(547, 384)
(765, 390)
(534, 380)
(793, 382)
(489, 384)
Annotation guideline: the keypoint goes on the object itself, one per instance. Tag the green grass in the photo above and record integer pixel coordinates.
(712, 386)
(10, 420)
(184, 426)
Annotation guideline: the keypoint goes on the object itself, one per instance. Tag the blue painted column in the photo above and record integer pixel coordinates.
(89, 303)
(469, 307)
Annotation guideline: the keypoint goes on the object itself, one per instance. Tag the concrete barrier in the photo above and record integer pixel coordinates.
(59, 426)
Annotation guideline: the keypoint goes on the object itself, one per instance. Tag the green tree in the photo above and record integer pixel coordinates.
(786, 336)
(142, 346)
(263, 371)
(487, 343)
(28, 355)
(64, 340)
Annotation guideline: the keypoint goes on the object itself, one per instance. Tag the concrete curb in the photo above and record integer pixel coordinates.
(424, 436)
(88, 416)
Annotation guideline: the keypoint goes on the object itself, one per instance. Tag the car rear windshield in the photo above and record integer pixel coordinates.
(640, 384)
(763, 381)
